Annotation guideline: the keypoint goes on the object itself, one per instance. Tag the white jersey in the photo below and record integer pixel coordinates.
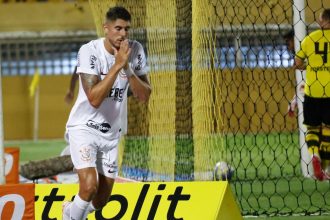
(94, 59)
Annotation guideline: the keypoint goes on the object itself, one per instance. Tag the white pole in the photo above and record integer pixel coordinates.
(2, 158)
(300, 33)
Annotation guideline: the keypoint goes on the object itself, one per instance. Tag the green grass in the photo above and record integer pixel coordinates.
(37, 150)
(268, 178)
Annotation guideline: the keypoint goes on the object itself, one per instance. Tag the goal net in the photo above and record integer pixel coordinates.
(222, 79)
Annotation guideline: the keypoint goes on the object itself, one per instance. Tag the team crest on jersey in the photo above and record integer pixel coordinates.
(92, 61)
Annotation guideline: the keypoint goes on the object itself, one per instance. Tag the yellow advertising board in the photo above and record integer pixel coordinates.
(156, 200)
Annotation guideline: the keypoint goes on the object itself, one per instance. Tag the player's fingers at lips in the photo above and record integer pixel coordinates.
(124, 44)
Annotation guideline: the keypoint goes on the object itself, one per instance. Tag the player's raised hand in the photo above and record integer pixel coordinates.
(122, 54)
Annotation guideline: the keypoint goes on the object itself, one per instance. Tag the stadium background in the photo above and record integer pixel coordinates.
(205, 106)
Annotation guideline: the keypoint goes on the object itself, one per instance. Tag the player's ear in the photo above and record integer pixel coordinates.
(105, 28)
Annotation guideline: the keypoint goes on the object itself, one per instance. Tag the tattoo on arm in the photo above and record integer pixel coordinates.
(88, 81)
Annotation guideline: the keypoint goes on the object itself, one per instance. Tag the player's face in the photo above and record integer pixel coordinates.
(116, 31)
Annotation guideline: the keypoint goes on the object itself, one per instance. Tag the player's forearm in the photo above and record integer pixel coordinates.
(140, 88)
(97, 91)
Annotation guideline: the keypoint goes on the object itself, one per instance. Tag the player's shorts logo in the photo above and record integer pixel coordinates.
(112, 168)
(85, 154)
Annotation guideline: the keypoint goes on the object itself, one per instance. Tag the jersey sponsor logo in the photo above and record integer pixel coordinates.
(117, 94)
(320, 68)
(92, 61)
(139, 63)
(103, 127)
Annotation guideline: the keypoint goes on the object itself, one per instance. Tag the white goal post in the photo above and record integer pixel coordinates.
(2, 155)
(300, 33)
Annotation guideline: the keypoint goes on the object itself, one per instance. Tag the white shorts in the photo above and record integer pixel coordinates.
(88, 149)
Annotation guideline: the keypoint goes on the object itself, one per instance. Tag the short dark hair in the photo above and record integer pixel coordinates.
(289, 34)
(326, 14)
(118, 12)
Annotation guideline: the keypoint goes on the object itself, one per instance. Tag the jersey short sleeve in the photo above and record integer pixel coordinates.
(302, 52)
(87, 61)
(138, 59)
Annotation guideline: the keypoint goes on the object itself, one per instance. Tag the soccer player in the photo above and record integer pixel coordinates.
(106, 66)
(289, 41)
(73, 81)
(315, 48)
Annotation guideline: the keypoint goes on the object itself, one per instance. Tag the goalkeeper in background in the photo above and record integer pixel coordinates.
(69, 96)
(315, 50)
